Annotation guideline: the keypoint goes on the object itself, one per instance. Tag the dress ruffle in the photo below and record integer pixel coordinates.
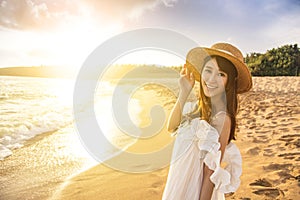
(226, 179)
(197, 143)
(207, 137)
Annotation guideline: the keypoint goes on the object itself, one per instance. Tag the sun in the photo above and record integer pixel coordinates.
(69, 44)
(79, 41)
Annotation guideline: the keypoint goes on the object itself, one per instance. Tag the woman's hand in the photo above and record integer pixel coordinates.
(186, 82)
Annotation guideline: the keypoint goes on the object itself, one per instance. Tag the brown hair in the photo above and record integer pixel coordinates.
(230, 97)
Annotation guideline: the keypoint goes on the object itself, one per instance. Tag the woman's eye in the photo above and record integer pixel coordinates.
(207, 70)
(222, 74)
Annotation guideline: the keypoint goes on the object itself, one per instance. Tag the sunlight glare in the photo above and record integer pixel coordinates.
(150, 56)
(66, 46)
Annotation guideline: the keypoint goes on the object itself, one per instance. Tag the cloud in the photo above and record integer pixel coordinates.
(47, 14)
(33, 14)
(116, 10)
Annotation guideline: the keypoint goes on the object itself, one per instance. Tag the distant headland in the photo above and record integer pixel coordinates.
(41, 71)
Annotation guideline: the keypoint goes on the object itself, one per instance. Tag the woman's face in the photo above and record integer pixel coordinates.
(213, 80)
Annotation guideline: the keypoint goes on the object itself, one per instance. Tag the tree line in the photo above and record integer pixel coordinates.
(281, 61)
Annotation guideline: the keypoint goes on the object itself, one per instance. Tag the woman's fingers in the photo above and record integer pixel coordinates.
(192, 78)
(187, 72)
(182, 72)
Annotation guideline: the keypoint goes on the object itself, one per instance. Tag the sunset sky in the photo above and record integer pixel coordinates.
(65, 32)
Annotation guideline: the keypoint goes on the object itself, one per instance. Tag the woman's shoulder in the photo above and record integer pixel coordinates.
(221, 119)
(220, 116)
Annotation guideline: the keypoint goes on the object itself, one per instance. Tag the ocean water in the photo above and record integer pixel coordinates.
(30, 107)
(40, 147)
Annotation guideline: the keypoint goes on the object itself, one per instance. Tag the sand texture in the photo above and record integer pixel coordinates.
(268, 136)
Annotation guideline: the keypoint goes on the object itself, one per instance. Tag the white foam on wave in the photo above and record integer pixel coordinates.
(31, 107)
(15, 135)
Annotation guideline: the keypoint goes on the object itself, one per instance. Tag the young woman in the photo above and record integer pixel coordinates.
(204, 129)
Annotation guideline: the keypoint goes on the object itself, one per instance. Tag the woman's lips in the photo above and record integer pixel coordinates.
(210, 86)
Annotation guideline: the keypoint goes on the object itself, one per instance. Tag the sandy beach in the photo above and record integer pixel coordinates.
(267, 135)
(55, 166)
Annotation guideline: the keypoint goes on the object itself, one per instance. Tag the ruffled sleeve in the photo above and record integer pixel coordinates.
(189, 107)
(226, 179)
(207, 137)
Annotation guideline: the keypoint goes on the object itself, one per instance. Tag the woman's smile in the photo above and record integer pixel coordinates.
(209, 86)
(213, 79)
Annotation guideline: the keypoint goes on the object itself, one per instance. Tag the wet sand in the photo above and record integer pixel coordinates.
(267, 135)
(36, 170)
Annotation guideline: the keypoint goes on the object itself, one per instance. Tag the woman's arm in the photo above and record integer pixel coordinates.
(222, 124)
(186, 83)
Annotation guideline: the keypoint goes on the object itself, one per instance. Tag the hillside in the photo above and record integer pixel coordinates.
(44, 72)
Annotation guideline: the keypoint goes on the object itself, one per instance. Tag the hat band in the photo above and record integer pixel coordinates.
(224, 51)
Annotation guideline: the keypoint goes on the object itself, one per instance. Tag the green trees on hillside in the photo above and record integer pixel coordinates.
(282, 61)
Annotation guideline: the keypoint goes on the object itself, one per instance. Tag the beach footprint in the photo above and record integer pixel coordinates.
(254, 151)
(289, 156)
(262, 182)
(266, 188)
(277, 166)
(296, 128)
(268, 152)
(155, 188)
(269, 192)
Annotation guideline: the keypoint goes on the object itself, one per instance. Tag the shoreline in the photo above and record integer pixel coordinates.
(267, 135)
(270, 163)
(104, 177)
(42, 165)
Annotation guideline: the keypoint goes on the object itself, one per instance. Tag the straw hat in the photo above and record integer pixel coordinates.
(195, 60)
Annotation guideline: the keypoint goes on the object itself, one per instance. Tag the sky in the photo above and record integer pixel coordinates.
(64, 32)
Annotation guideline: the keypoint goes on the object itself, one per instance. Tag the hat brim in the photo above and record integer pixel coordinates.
(195, 61)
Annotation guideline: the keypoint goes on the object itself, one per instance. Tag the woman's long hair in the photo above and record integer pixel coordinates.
(230, 97)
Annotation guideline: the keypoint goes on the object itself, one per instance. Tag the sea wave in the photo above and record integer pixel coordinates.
(30, 107)
(14, 135)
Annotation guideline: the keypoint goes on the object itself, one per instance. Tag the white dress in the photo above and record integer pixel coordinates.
(197, 143)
